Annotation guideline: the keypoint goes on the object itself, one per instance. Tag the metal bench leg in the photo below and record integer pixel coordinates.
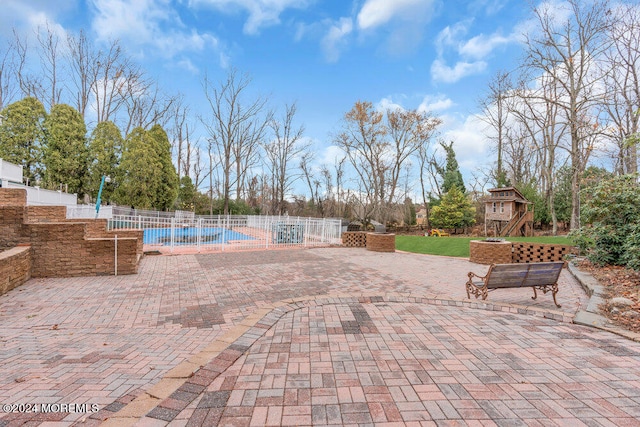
(554, 291)
(476, 291)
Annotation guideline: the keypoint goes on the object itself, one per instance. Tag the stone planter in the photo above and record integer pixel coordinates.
(483, 252)
(381, 242)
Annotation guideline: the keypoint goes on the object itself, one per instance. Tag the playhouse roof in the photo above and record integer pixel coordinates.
(517, 195)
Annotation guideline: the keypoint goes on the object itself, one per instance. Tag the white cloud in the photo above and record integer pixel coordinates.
(379, 12)
(429, 103)
(262, 13)
(482, 45)
(470, 142)
(25, 16)
(470, 54)
(435, 103)
(450, 36)
(440, 71)
(489, 7)
(186, 64)
(388, 104)
(334, 41)
(404, 22)
(148, 23)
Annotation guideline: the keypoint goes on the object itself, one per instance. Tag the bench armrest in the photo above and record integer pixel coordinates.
(471, 275)
(477, 289)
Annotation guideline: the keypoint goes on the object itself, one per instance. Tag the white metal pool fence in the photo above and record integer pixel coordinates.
(230, 232)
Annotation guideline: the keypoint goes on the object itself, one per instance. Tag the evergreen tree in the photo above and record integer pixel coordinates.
(452, 176)
(65, 155)
(105, 150)
(168, 189)
(139, 173)
(455, 210)
(21, 136)
(187, 195)
(501, 179)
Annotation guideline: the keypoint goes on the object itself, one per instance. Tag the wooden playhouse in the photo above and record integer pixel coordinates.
(508, 213)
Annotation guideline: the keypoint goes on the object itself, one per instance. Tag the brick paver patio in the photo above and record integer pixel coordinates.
(378, 338)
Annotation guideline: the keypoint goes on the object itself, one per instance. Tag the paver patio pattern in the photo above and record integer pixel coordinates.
(349, 360)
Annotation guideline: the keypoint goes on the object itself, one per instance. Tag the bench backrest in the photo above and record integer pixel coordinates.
(543, 273)
(506, 275)
(517, 275)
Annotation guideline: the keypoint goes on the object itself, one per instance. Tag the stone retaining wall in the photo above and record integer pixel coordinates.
(15, 268)
(46, 214)
(13, 198)
(63, 250)
(61, 247)
(11, 225)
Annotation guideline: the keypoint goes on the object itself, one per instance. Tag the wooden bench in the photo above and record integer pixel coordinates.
(537, 275)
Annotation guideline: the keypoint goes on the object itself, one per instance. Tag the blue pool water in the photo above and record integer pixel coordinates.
(188, 236)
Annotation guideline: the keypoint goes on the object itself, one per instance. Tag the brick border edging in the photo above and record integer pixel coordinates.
(183, 384)
(591, 316)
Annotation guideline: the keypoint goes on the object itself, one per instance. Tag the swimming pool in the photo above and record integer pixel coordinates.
(189, 236)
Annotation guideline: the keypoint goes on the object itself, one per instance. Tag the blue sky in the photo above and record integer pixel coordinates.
(324, 55)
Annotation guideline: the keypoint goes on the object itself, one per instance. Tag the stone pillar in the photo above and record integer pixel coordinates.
(483, 252)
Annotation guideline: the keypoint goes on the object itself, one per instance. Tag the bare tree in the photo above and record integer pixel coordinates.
(246, 150)
(363, 139)
(541, 130)
(145, 104)
(339, 173)
(108, 80)
(196, 166)
(214, 163)
(520, 157)
(49, 53)
(286, 145)
(180, 137)
(309, 178)
(435, 168)
(423, 166)
(82, 60)
(329, 199)
(8, 88)
(409, 132)
(232, 124)
(567, 50)
(495, 110)
(30, 85)
(623, 84)
(379, 150)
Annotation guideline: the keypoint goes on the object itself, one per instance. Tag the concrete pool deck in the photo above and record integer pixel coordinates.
(300, 337)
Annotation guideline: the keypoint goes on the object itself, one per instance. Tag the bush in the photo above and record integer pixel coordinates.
(612, 212)
(455, 210)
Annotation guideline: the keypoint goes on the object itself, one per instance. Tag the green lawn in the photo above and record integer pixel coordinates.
(459, 246)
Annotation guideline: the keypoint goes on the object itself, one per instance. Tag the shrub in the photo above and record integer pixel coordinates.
(612, 213)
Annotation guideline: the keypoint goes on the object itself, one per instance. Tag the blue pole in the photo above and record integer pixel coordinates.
(99, 196)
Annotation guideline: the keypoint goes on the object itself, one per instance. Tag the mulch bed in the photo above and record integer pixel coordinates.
(618, 282)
